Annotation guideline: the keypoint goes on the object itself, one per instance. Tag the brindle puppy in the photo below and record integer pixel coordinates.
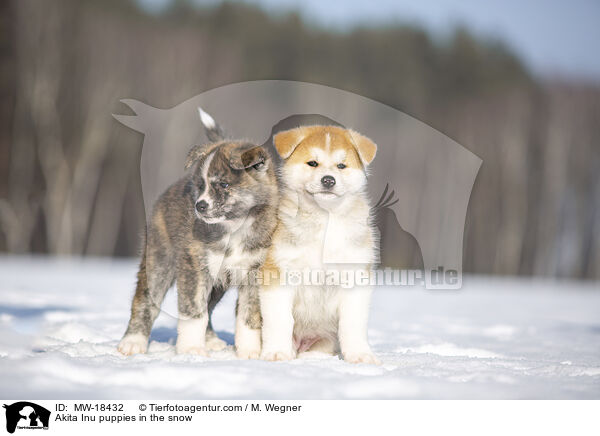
(208, 231)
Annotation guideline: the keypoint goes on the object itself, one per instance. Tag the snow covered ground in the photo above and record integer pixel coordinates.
(60, 321)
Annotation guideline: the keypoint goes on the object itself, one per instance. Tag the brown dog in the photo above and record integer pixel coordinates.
(210, 227)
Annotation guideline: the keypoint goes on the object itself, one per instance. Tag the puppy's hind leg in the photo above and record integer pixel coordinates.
(213, 342)
(325, 346)
(154, 279)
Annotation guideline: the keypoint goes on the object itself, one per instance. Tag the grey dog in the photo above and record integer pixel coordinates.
(208, 231)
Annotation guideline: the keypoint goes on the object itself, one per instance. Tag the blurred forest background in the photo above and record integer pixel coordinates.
(69, 173)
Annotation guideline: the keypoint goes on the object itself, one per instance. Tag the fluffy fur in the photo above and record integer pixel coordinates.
(323, 224)
(208, 230)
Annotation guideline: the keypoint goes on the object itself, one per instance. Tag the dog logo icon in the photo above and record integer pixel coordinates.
(398, 248)
(430, 175)
(26, 415)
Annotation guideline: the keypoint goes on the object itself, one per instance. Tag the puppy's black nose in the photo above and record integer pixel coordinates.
(328, 181)
(201, 206)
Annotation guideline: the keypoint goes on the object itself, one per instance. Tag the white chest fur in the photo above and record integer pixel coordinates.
(315, 239)
(325, 241)
(235, 259)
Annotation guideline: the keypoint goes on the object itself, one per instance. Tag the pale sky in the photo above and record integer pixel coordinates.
(553, 37)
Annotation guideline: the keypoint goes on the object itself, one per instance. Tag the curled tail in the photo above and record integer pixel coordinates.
(214, 133)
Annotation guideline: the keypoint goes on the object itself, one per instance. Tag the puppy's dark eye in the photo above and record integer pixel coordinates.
(258, 165)
(224, 185)
(312, 163)
(341, 166)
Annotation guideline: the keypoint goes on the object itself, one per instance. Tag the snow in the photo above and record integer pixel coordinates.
(496, 338)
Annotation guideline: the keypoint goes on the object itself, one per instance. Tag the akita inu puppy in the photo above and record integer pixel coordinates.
(210, 227)
(324, 223)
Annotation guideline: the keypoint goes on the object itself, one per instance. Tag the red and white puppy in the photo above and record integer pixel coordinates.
(323, 225)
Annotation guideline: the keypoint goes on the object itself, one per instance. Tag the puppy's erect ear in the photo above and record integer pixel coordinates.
(245, 157)
(365, 148)
(286, 142)
(197, 153)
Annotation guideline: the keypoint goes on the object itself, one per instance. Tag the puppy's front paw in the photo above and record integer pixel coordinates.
(361, 357)
(133, 344)
(277, 355)
(213, 343)
(247, 353)
(247, 342)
